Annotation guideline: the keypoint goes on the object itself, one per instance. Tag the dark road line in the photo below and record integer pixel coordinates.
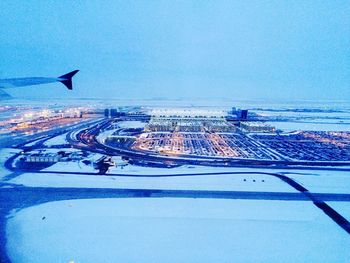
(319, 201)
(21, 196)
(338, 218)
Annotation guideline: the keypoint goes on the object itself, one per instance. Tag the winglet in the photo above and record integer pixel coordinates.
(67, 79)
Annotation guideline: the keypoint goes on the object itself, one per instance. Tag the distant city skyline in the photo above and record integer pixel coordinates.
(182, 49)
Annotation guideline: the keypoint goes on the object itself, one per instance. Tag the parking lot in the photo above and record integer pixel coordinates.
(310, 146)
(201, 144)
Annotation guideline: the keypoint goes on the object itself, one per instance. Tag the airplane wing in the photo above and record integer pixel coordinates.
(21, 82)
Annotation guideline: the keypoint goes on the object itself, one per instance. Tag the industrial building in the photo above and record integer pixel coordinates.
(255, 126)
(111, 113)
(190, 125)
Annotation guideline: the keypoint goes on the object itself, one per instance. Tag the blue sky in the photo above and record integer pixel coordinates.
(175, 49)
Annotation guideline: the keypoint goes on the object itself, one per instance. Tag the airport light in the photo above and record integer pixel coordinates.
(45, 113)
(28, 115)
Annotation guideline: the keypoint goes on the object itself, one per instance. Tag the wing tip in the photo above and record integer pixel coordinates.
(67, 79)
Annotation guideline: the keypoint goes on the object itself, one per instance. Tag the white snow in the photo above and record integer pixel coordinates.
(6, 153)
(72, 166)
(75, 166)
(131, 124)
(122, 124)
(229, 182)
(208, 182)
(33, 142)
(58, 140)
(318, 181)
(104, 135)
(175, 230)
(184, 169)
(309, 126)
(342, 208)
(53, 150)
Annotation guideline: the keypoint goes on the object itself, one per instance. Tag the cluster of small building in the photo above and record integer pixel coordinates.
(40, 119)
(41, 157)
(239, 113)
(112, 113)
(186, 113)
(255, 126)
(51, 157)
(166, 124)
(202, 132)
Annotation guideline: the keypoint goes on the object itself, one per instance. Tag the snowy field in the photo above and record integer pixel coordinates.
(323, 181)
(234, 182)
(324, 115)
(175, 230)
(6, 153)
(316, 181)
(342, 208)
(33, 142)
(58, 140)
(104, 135)
(71, 166)
(309, 126)
(53, 150)
(131, 124)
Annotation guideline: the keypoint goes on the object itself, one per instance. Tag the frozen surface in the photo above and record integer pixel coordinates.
(131, 124)
(58, 140)
(323, 181)
(233, 182)
(72, 166)
(54, 150)
(33, 142)
(188, 177)
(6, 153)
(104, 135)
(209, 182)
(342, 208)
(310, 126)
(175, 230)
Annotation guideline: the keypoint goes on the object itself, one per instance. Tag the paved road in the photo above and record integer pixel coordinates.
(21, 139)
(21, 197)
(18, 197)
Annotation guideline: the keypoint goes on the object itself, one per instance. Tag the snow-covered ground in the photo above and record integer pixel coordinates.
(342, 208)
(316, 181)
(6, 153)
(310, 126)
(58, 140)
(323, 181)
(104, 135)
(329, 115)
(121, 125)
(184, 169)
(131, 124)
(54, 150)
(33, 142)
(72, 166)
(234, 182)
(175, 230)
